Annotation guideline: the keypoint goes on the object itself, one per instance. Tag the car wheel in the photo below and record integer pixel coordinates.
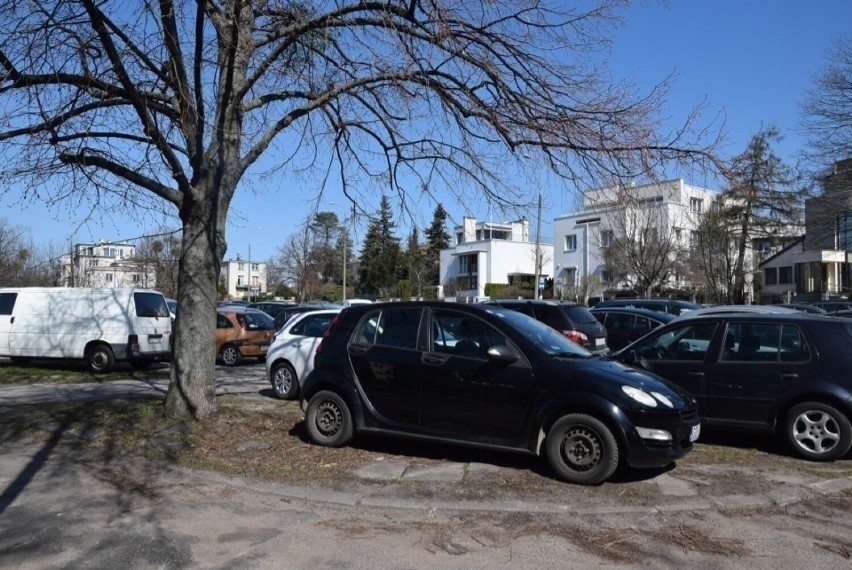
(818, 431)
(581, 449)
(100, 358)
(329, 420)
(230, 355)
(285, 384)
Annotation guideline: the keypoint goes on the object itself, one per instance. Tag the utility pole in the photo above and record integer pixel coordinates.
(538, 249)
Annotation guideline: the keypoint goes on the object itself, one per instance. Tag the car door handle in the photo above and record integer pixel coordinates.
(435, 359)
(695, 374)
(788, 376)
(358, 348)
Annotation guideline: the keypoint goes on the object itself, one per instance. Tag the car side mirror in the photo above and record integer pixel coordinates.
(502, 353)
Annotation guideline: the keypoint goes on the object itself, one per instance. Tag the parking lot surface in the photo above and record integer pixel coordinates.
(407, 510)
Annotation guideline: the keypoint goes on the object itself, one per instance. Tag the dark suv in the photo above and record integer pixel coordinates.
(673, 306)
(490, 377)
(787, 374)
(572, 320)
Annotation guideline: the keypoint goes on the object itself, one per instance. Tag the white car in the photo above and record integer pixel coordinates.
(291, 355)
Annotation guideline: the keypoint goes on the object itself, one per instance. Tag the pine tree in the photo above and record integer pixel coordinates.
(437, 239)
(381, 254)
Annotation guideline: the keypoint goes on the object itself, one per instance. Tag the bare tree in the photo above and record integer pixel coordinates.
(142, 105)
(827, 108)
(646, 250)
(159, 256)
(297, 262)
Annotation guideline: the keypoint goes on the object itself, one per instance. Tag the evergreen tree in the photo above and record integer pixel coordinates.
(381, 254)
(417, 265)
(437, 239)
(325, 228)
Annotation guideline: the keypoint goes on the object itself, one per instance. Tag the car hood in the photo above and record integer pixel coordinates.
(595, 370)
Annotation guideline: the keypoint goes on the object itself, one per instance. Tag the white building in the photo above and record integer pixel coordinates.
(490, 252)
(670, 208)
(105, 264)
(818, 265)
(244, 279)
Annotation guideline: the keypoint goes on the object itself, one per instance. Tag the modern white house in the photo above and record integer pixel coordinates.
(105, 264)
(671, 208)
(244, 279)
(817, 265)
(491, 252)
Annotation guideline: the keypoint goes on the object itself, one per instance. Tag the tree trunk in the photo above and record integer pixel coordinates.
(192, 390)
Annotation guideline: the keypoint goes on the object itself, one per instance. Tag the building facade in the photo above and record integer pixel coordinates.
(244, 279)
(491, 252)
(670, 210)
(817, 266)
(106, 264)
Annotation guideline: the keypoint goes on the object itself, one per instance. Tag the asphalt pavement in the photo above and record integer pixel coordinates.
(57, 513)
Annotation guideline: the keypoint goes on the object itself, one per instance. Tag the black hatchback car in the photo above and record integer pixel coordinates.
(571, 319)
(788, 374)
(673, 306)
(491, 377)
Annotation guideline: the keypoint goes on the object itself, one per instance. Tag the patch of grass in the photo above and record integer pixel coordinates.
(71, 372)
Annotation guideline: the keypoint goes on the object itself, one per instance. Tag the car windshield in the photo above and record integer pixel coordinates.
(547, 339)
(580, 315)
(258, 320)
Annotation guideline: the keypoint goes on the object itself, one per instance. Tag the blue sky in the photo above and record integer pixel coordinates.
(748, 59)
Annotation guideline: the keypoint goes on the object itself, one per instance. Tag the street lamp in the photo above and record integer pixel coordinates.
(345, 239)
(251, 231)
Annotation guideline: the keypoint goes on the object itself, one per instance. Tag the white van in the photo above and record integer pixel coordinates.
(101, 326)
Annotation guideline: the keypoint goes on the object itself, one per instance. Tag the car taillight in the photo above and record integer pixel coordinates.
(576, 336)
(331, 326)
(133, 342)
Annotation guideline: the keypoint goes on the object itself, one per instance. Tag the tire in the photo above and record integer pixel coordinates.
(285, 384)
(817, 431)
(100, 358)
(582, 450)
(329, 420)
(230, 355)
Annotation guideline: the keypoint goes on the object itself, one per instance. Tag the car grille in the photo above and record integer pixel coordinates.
(689, 415)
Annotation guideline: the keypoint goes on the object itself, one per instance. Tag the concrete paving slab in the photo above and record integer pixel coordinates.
(383, 470)
(448, 473)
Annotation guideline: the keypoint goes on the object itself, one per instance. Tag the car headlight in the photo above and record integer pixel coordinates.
(640, 396)
(666, 401)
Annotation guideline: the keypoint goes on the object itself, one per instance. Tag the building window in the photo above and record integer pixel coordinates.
(136, 278)
(241, 266)
(255, 267)
(785, 275)
(571, 242)
(696, 204)
(844, 231)
(693, 238)
(459, 237)
(468, 264)
(240, 280)
(108, 277)
(765, 246)
(770, 276)
(607, 237)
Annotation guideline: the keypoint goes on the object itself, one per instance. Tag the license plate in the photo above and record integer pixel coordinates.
(263, 348)
(696, 431)
(154, 340)
(600, 341)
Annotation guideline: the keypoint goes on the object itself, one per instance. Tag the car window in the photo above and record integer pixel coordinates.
(7, 303)
(222, 322)
(642, 324)
(464, 335)
(551, 316)
(764, 342)
(686, 342)
(579, 314)
(619, 321)
(256, 321)
(544, 337)
(312, 325)
(391, 327)
(150, 305)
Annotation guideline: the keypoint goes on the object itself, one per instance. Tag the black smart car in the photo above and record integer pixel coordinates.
(491, 377)
(571, 319)
(788, 374)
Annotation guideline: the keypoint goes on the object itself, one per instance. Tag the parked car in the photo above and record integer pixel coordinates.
(673, 306)
(291, 354)
(716, 309)
(487, 376)
(572, 320)
(624, 325)
(272, 308)
(832, 306)
(805, 308)
(787, 374)
(286, 313)
(242, 332)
